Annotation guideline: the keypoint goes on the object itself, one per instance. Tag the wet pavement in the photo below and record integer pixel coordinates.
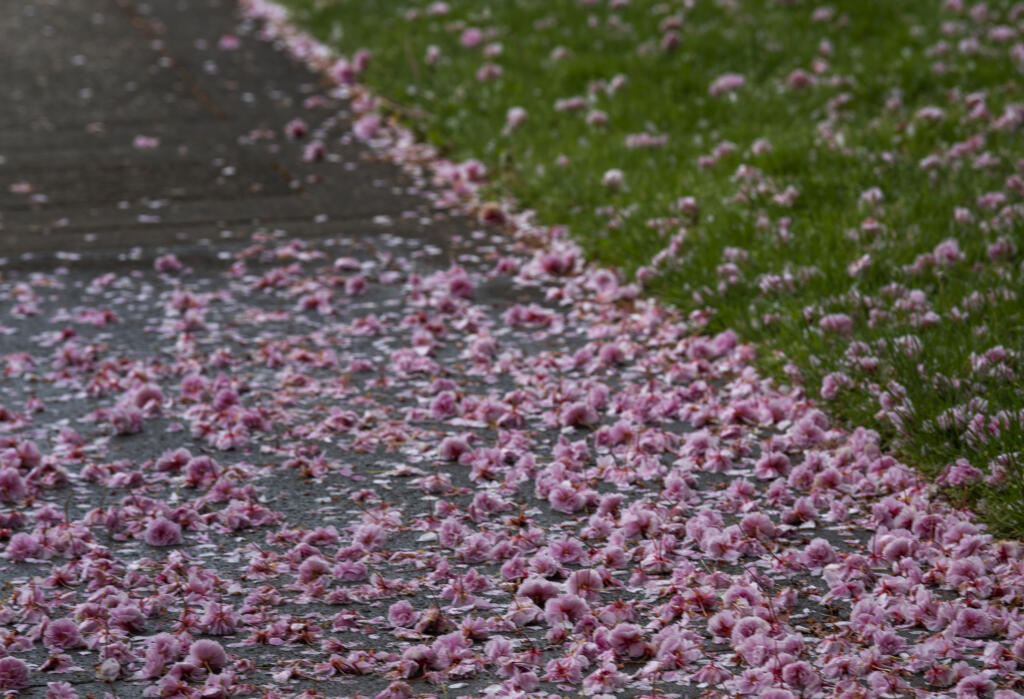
(132, 127)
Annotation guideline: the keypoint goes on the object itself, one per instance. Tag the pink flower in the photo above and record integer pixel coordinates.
(965, 571)
(201, 471)
(627, 640)
(22, 546)
(444, 406)
(366, 127)
(13, 673)
(361, 60)
(757, 525)
(168, 264)
(613, 179)
(772, 464)
(565, 608)
(948, 253)
(972, 623)
(800, 79)
(369, 536)
(126, 420)
(343, 72)
(417, 659)
(471, 37)
(801, 677)
(402, 614)
(839, 323)
(163, 648)
(565, 669)
(313, 568)
(488, 71)
(314, 152)
(295, 129)
(726, 83)
(220, 619)
(537, 589)
(452, 448)
(515, 118)
(62, 633)
(746, 627)
(12, 485)
(818, 553)
(565, 498)
(960, 473)
(578, 415)
(558, 263)
(722, 623)
(974, 686)
(163, 532)
(208, 654)
(60, 690)
(586, 583)
(888, 642)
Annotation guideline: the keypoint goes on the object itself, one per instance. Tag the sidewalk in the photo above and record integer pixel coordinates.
(130, 127)
(271, 426)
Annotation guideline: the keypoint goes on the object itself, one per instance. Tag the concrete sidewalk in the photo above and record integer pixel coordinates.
(86, 79)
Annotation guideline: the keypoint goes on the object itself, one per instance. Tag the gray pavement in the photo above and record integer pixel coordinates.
(84, 79)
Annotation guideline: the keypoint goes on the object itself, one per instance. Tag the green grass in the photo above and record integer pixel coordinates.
(877, 49)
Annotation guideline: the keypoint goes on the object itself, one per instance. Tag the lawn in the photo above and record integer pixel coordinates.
(841, 184)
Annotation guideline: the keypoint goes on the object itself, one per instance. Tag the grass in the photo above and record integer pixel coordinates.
(856, 127)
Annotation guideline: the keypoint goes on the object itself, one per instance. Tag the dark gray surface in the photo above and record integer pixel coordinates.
(83, 79)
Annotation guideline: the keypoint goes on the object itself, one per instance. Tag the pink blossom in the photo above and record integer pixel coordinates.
(168, 264)
(564, 608)
(627, 640)
(314, 152)
(515, 118)
(220, 619)
(163, 532)
(208, 654)
(839, 323)
(801, 677)
(947, 253)
(972, 623)
(471, 37)
(578, 415)
(126, 420)
(13, 673)
(818, 553)
(62, 633)
(12, 485)
(366, 127)
(613, 179)
(974, 685)
(746, 627)
(60, 690)
(444, 406)
(960, 473)
(22, 546)
(726, 83)
(295, 129)
(402, 614)
(586, 583)
(343, 72)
